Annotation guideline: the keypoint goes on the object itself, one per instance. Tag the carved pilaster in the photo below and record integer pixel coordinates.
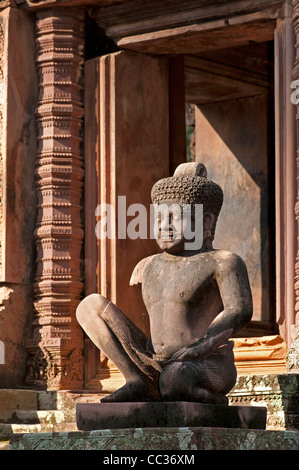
(56, 348)
(293, 356)
(2, 104)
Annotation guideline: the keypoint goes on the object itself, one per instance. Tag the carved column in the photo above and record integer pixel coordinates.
(293, 355)
(56, 348)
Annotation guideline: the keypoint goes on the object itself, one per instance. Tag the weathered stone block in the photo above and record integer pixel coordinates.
(159, 439)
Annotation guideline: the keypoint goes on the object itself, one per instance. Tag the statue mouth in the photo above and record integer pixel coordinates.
(168, 235)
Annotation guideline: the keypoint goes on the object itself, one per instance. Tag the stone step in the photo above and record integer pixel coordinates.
(11, 400)
(44, 416)
(4, 445)
(35, 411)
(23, 399)
(7, 429)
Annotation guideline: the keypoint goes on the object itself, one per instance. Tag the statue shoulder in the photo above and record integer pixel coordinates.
(228, 260)
(137, 274)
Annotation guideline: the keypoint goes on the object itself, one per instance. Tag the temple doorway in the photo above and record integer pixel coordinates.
(230, 93)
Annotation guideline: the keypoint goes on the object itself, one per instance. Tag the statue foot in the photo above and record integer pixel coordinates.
(134, 391)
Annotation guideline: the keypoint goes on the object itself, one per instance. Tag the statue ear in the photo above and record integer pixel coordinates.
(208, 222)
(208, 219)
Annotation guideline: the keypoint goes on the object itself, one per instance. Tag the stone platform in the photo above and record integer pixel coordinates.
(96, 416)
(151, 439)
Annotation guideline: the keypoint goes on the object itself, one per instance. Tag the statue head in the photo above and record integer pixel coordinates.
(188, 187)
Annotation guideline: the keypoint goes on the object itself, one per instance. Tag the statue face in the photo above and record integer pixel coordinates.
(170, 226)
(174, 226)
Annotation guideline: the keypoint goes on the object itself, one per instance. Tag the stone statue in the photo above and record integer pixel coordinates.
(196, 301)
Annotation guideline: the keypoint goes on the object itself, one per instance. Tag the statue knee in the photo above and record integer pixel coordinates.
(90, 306)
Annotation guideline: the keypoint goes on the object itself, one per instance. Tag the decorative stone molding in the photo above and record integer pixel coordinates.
(56, 348)
(256, 354)
(278, 392)
(176, 439)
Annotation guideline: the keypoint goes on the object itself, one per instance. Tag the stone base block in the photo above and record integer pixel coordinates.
(168, 439)
(93, 416)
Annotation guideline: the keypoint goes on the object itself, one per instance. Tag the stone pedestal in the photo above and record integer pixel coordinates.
(94, 416)
(183, 439)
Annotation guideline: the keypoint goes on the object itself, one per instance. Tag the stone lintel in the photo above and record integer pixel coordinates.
(94, 416)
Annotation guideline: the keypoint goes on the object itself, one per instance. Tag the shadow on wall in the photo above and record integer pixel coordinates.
(234, 141)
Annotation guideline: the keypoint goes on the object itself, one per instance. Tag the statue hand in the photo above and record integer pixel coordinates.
(194, 352)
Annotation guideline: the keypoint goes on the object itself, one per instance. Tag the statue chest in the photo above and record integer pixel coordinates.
(182, 282)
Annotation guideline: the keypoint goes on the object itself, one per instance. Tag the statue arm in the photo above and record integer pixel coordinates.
(232, 279)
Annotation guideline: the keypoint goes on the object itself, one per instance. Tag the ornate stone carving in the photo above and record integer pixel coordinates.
(57, 343)
(278, 392)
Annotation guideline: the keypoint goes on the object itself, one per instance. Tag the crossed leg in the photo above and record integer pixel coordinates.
(94, 314)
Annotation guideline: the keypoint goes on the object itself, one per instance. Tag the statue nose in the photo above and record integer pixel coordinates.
(166, 225)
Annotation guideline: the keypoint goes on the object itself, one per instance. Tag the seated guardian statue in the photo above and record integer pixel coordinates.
(196, 301)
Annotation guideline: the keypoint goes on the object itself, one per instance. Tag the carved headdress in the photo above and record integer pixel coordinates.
(189, 185)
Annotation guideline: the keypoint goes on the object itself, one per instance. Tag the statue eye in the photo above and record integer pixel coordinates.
(176, 216)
